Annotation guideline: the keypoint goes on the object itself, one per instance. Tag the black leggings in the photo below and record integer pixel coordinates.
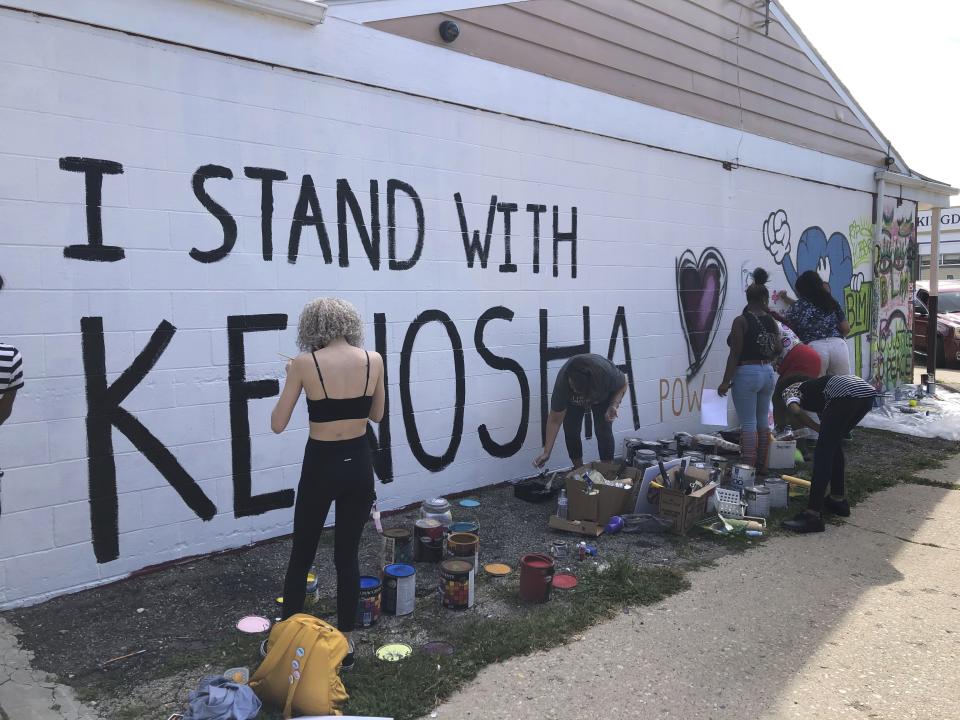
(573, 425)
(838, 418)
(340, 471)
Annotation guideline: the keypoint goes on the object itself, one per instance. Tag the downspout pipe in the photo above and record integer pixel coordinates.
(877, 244)
(933, 326)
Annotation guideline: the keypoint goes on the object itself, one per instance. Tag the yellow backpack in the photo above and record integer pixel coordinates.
(301, 670)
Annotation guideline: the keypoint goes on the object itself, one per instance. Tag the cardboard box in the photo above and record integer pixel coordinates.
(607, 501)
(581, 527)
(685, 510)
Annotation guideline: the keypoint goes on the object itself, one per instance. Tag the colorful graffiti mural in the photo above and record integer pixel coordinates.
(891, 344)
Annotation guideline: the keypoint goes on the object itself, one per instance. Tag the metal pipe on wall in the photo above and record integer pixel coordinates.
(932, 317)
(877, 238)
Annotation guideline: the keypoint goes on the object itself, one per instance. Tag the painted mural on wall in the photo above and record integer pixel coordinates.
(155, 265)
(701, 291)
(894, 268)
(840, 263)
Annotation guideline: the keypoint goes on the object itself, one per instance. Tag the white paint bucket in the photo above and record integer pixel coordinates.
(399, 589)
(779, 492)
(758, 501)
(742, 476)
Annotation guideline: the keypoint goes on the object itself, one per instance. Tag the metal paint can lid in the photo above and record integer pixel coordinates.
(368, 582)
(399, 570)
(394, 652)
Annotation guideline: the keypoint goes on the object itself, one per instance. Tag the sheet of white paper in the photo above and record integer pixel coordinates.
(713, 408)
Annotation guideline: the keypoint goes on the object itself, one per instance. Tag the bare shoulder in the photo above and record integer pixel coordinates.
(376, 360)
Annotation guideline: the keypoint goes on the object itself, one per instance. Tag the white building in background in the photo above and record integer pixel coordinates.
(949, 243)
(178, 177)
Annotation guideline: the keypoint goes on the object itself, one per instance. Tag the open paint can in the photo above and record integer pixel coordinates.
(536, 577)
(399, 589)
(742, 476)
(456, 584)
(368, 611)
(463, 546)
(466, 526)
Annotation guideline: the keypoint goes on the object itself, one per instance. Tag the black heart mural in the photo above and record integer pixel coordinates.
(701, 290)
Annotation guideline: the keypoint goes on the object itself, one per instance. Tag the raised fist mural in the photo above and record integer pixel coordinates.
(829, 257)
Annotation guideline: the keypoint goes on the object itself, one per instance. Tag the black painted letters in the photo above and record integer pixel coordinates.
(103, 414)
(93, 171)
(204, 173)
(241, 392)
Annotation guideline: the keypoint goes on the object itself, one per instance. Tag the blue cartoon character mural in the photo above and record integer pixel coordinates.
(829, 257)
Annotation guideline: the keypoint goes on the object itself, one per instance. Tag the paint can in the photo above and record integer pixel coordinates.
(437, 509)
(695, 456)
(719, 462)
(558, 548)
(779, 492)
(427, 540)
(368, 611)
(462, 546)
(399, 589)
(758, 501)
(653, 445)
(466, 526)
(644, 459)
(536, 577)
(397, 546)
(742, 476)
(630, 448)
(456, 584)
(313, 589)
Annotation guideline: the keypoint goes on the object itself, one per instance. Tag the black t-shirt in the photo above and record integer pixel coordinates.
(608, 375)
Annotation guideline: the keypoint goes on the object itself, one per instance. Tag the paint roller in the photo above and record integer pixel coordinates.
(799, 482)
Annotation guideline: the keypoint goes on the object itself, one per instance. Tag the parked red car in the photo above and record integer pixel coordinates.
(948, 322)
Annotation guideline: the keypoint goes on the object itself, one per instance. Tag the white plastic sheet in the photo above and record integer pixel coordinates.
(934, 417)
(713, 408)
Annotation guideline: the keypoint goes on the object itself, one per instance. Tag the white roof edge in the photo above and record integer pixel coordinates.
(927, 192)
(311, 12)
(364, 11)
(831, 77)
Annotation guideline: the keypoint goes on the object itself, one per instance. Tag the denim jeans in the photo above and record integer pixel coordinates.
(752, 390)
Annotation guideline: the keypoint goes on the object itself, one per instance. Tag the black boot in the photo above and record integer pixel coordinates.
(837, 507)
(804, 522)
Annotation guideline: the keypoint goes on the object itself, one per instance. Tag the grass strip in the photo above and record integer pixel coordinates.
(413, 687)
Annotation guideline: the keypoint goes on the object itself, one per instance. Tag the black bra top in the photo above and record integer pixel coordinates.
(328, 409)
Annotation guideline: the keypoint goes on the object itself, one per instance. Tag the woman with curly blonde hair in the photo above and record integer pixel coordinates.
(344, 388)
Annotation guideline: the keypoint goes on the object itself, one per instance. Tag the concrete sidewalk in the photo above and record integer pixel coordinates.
(858, 622)
(27, 694)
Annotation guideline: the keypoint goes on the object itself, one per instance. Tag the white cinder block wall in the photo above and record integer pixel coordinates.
(164, 113)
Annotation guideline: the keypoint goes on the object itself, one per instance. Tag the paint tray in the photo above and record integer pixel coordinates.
(536, 490)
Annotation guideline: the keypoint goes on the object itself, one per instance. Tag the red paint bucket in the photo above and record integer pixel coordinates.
(536, 576)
